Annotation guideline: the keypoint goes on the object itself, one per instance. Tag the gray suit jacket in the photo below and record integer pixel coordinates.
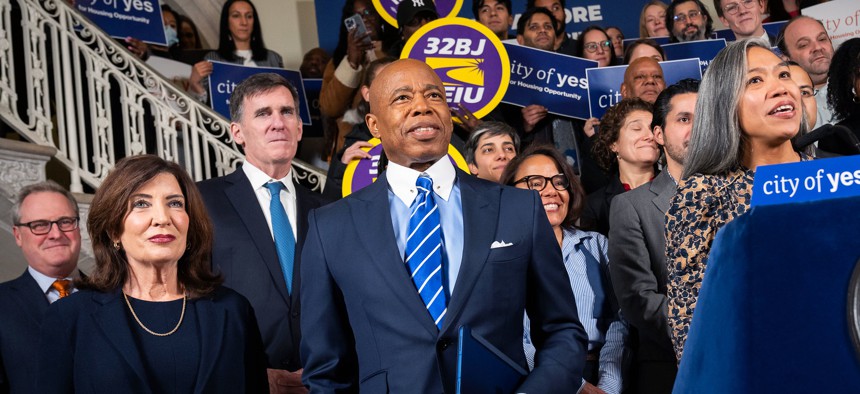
(637, 252)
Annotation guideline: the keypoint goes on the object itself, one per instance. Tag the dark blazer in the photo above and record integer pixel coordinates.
(22, 306)
(637, 250)
(365, 326)
(245, 253)
(595, 214)
(87, 346)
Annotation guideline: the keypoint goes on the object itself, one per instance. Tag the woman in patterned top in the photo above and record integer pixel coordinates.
(747, 113)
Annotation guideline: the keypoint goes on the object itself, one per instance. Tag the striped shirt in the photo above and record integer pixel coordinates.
(611, 342)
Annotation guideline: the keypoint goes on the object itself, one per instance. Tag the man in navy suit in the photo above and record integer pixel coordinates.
(45, 218)
(266, 122)
(369, 326)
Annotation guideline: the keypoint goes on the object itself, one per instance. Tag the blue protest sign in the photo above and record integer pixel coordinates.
(814, 180)
(726, 34)
(225, 77)
(604, 88)
(550, 79)
(312, 93)
(604, 84)
(773, 28)
(140, 19)
(705, 50)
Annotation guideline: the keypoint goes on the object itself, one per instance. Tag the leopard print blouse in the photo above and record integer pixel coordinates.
(702, 205)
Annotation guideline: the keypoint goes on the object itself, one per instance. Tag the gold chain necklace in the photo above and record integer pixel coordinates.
(179, 323)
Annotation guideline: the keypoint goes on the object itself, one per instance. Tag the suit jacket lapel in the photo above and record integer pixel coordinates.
(212, 325)
(30, 296)
(111, 318)
(664, 188)
(241, 195)
(373, 212)
(480, 218)
(303, 206)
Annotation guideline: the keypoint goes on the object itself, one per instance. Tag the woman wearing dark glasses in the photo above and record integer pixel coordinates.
(543, 169)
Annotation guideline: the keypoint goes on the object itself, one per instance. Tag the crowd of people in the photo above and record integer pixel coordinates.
(576, 247)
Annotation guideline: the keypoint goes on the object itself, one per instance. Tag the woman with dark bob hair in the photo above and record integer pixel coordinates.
(843, 97)
(240, 41)
(747, 113)
(543, 169)
(595, 44)
(626, 149)
(152, 317)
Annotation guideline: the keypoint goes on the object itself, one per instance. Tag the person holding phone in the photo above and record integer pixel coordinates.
(356, 47)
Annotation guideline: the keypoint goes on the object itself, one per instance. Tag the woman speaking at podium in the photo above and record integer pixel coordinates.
(747, 113)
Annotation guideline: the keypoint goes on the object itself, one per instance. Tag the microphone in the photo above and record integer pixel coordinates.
(824, 132)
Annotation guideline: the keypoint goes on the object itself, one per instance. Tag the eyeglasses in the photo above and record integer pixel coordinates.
(734, 8)
(683, 17)
(365, 12)
(591, 47)
(42, 227)
(539, 182)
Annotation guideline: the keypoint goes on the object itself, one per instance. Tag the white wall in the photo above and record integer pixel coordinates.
(289, 26)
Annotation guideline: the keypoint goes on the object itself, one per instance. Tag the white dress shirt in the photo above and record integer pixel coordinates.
(402, 191)
(45, 283)
(259, 179)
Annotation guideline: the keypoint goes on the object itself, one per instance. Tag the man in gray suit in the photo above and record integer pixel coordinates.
(637, 245)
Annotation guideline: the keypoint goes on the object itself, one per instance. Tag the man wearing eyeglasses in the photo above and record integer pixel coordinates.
(45, 218)
(744, 18)
(689, 20)
(535, 29)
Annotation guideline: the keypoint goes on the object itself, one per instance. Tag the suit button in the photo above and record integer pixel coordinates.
(443, 344)
(295, 314)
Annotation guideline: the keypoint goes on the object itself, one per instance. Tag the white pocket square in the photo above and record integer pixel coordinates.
(500, 244)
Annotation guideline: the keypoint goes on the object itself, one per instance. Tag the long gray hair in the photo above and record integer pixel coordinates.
(717, 143)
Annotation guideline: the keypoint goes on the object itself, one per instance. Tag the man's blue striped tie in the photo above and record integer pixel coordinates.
(424, 250)
(285, 241)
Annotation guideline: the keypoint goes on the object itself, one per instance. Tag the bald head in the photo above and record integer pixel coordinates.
(409, 114)
(643, 79)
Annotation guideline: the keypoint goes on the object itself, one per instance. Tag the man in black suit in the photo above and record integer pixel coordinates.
(45, 218)
(257, 240)
(637, 245)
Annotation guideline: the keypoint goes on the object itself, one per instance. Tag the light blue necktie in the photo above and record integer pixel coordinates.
(285, 241)
(424, 250)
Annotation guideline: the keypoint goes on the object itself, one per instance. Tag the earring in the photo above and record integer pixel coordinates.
(116, 245)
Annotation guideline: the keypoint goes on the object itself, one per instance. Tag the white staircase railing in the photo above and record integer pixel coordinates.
(65, 83)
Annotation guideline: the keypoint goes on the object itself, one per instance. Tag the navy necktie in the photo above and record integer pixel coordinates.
(285, 241)
(592, 271)
(424, 250)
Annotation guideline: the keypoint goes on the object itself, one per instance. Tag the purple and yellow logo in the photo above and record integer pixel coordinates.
(468, 57)
(387, 9)
(361, 173)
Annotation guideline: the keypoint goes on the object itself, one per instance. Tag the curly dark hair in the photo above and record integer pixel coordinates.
(844, 70)
(610, 129)
(574, 188)
(111, 205)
